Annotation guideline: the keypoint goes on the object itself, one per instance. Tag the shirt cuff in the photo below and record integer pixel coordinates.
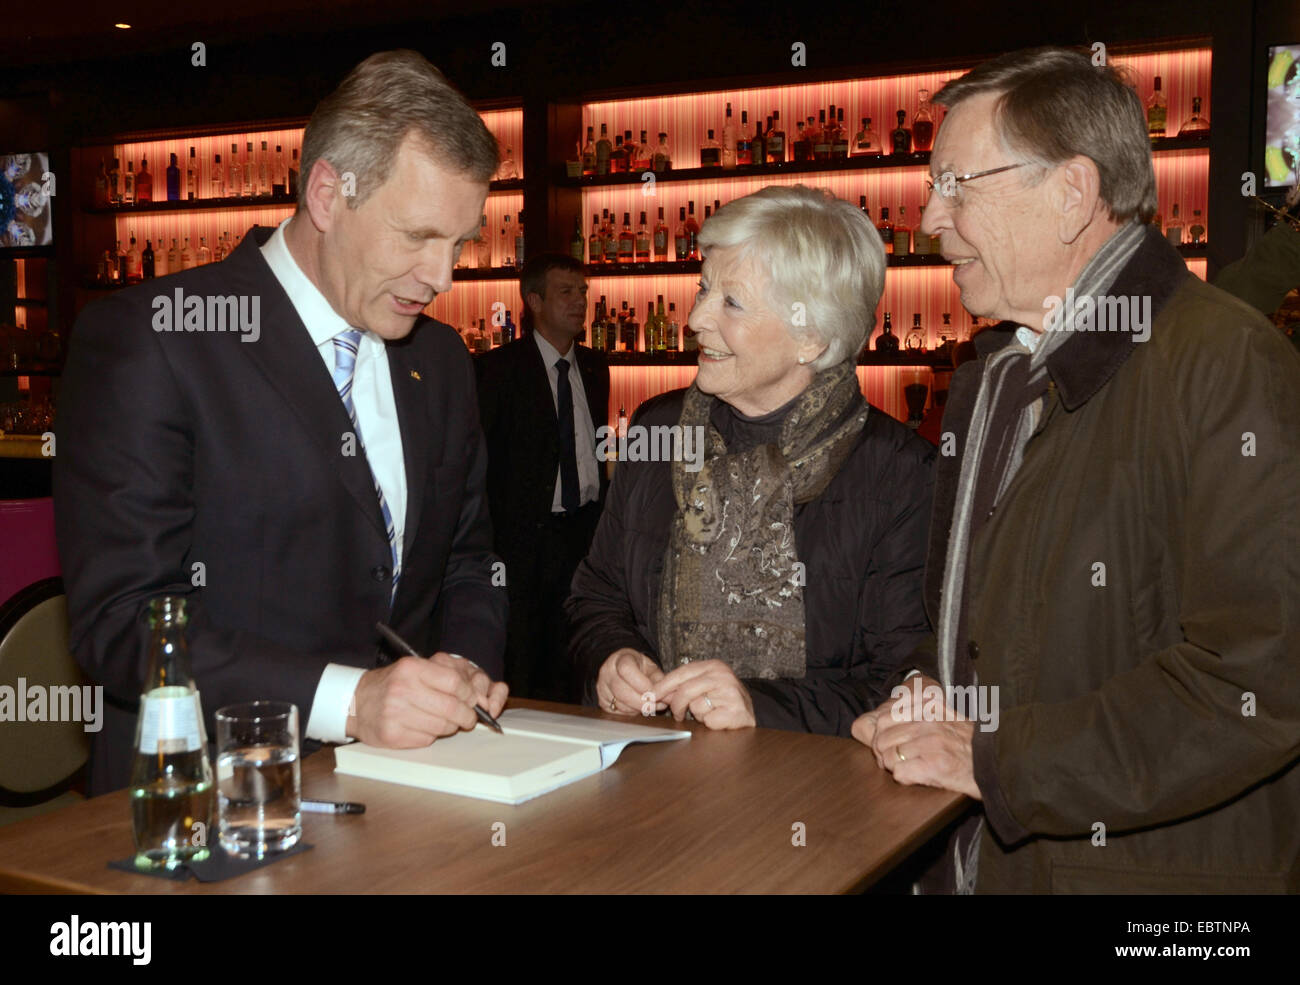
(328, 721)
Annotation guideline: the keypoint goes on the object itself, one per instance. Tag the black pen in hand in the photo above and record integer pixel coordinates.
(483, 715)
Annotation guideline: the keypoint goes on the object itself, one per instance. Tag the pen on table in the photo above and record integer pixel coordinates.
(333, 807)
(410, 651)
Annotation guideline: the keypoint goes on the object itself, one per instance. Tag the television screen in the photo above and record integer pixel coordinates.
(26, 192)
(1282, 140)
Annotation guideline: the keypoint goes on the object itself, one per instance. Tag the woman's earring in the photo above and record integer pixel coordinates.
(802, 360)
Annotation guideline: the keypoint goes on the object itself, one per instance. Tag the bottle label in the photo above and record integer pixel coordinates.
(171, 720)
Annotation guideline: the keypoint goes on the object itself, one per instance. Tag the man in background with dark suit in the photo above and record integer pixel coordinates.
(310, 469)
(540, 413)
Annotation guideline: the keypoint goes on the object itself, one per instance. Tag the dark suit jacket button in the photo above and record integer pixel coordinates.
(973, 649)
(379, 573)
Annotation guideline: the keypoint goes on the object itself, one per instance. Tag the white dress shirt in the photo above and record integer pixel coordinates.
(372, 397)
(583, 429)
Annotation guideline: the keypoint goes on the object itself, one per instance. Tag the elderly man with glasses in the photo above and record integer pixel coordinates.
(1114, 560)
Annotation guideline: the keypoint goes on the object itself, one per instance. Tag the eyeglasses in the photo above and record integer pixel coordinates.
(946, 185)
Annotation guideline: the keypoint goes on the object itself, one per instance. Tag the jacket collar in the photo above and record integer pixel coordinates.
(1081, 366)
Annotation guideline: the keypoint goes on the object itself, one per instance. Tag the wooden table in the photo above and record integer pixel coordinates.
(713, 814)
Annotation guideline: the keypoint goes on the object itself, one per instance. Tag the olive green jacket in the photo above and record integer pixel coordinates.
(1268, 272)
(1135, 596)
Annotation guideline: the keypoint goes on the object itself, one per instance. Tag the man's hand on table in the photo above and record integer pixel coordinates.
(413, 701)
(931, 754)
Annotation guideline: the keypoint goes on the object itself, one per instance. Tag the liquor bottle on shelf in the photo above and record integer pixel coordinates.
(519, 240)
(234, 174)
(483, 246)
(902, 234)
(708, 211)
(629, 149)
(611, 329)
(866, 143)
(147, 264)
(650, 340)
(682, 239)
(119, 263)
(1195, 124)
(916, 337)
(173, 180)
(115, 182)
(219, 249)
(610, 236)
(506, 243)
(101, 186)
(775, 140)
(134, 272)
(801, 145)
(758, 152)
(661, 238)
(840, 145)
(1157, 111)
(1174, 228)
(662, 159)
(484, 341)
(509, 330)
(508, 171)
(576, 241)
(902, 136)
(744, 141)
(205, 254)
(128, 184)
(589, 153)
(821, 139)
(729, 138)
(618, 156)
(1197, 229)
(293, 173)
(191, 178)
(716, 205)
(250, 172)
(604, 150)
(887, 341)
(217, 184)
(264, 172)
(643, 155)
(923, 123)
(626, 241)
(886, 230)
(673, 331)
(187, 255)
(642, 241)
(711, 153)
(173, 258)
(692, 231)
(595, 242)
(279, 173)
(862, 207)
(661, 334)
(597, 337)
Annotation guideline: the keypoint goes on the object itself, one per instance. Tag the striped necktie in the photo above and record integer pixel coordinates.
(345, 364)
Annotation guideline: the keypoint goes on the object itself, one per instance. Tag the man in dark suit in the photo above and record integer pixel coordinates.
(545, 482)
(285, 439)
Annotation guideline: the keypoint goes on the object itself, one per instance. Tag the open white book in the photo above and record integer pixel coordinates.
(540, 751)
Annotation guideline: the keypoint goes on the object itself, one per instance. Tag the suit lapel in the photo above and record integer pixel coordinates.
(539, 379)
(292, 365)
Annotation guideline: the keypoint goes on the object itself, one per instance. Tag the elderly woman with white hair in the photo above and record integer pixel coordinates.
(779, 584)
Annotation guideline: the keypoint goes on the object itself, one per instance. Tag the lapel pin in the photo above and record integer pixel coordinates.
(415, 375)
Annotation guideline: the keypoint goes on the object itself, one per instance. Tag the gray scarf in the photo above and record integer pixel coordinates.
(1008, 374)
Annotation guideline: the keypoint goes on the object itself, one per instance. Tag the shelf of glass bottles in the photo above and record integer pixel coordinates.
(242, 202)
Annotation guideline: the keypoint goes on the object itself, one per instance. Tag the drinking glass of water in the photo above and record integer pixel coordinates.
(258, 780)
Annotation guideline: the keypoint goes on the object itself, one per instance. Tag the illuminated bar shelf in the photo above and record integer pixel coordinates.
(488, 273)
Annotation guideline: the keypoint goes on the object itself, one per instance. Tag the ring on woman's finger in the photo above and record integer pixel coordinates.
(898, 751)
(613, 704)
(708, 702)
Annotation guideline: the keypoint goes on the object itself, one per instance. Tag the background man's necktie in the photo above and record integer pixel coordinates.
(569, 494)
(345, 364)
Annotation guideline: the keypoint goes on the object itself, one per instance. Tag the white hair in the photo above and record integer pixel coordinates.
(820, 252)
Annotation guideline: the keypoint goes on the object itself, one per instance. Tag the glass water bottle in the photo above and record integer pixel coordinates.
(171, 780)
